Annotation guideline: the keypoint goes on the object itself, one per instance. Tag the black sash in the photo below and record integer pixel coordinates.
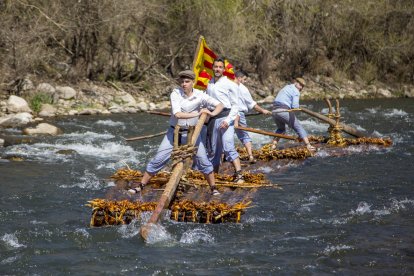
(210, 125)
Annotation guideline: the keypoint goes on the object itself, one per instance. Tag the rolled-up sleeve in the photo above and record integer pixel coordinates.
(250, 103)
(175, 102)
(209, 101)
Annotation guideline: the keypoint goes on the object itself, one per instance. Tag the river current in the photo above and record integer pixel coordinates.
(352, 214)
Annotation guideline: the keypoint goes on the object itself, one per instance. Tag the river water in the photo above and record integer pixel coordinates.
(348, 215)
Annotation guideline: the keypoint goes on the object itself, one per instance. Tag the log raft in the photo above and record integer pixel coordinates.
(189, 199)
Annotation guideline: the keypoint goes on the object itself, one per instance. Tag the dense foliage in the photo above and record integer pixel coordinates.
(134, 40)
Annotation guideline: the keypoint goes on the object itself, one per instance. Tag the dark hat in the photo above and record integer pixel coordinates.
(187, 74)
(301, 81)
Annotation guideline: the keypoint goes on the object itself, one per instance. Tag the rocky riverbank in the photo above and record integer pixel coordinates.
(26, 101)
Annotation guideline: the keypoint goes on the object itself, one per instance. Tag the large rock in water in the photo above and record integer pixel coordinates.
(43, 128)
(16, 104)
(15, 120)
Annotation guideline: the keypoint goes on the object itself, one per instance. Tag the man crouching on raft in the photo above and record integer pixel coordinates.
(186, 106)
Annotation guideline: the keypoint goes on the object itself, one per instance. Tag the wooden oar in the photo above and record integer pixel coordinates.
(178, 170)
(145, 136)
(160, 113)
(268, 133)
(168, 114)
(287, 110)
(350, 130)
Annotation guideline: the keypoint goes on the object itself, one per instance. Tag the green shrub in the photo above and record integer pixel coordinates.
(37, 100)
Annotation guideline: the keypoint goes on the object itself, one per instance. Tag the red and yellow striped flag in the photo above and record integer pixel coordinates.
(203, 65)
(228, 70)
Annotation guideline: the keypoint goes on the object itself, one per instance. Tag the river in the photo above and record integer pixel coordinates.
(352, 214)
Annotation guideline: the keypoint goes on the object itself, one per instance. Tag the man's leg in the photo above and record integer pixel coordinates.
(281, 119)
(231, 153)
(160, 159)
(216, 150)
(244, 137)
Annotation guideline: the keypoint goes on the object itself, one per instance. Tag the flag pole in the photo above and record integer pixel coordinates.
(200, 40)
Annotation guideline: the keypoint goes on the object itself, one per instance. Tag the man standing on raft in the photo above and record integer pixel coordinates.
(186, 106)
(246, 103)
(220, 131)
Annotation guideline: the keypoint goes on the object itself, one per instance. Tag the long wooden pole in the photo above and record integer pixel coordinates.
(168, 114)
(160, 113)
(146, 136)
(268, 133)
(169, 191)
(200, 39)
(350, 130)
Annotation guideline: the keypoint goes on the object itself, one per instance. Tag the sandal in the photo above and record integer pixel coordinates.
(252, 160)
(137, 189)
(310, 147)
(238, 178)
(215, 192)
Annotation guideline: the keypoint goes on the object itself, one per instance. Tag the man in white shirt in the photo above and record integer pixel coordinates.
(246, 103)
(187, 103)
(221, 128)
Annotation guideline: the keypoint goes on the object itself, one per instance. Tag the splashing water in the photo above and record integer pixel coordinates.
(82, 232)
(110, 123)
(157, 234)
(88, 180)
(11, 241)
(396, 113)
(196, 236)
(363, 208)
(336, 248)
(129, 230)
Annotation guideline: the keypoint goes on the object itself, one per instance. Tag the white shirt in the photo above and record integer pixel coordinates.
(246, 101)
(226, 92)
(180, 102)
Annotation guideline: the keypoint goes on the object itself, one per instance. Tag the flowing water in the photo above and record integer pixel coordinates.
(349, 215)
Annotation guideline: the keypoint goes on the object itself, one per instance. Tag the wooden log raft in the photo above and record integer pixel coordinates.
(171, 186)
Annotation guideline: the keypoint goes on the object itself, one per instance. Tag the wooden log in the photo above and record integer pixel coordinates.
(345, 128)
(145, 136)
(176, 173)
(266, 133)
(328, 102)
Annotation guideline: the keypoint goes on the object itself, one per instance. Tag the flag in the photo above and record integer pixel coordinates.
(228, 70)
(203, 65)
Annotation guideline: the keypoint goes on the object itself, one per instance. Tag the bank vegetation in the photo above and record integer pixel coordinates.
(138, 42)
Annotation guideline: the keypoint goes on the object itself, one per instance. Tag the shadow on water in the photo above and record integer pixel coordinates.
(347, 214)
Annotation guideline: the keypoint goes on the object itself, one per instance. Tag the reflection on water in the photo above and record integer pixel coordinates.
(347, 214)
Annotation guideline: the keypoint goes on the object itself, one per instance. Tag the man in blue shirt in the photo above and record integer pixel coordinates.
(288, 98)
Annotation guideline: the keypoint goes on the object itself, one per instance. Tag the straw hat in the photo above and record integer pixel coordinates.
(187, 74)
(301, 81)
